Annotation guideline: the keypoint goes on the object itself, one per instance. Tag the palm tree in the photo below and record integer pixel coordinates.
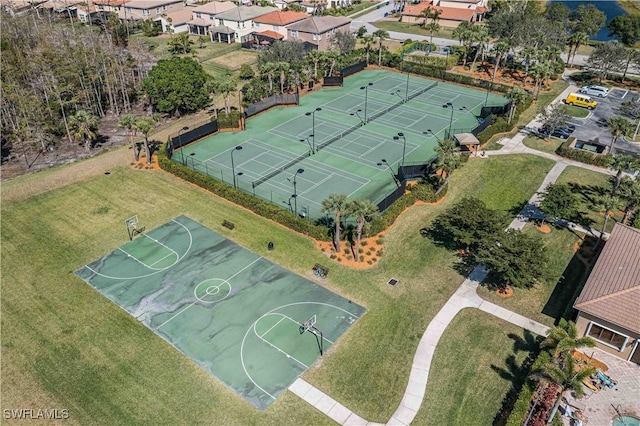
(464, 33)
(367, 40)
(540, 71)
(212, 87)
(227, 86)
(315, 56)
(576, 40)
(630, 192)
(146, 125)
(433, 28)
(128, 121)
(284, 68)
(381, 35)
(500, 48)
(608, 203)
(364, 211)
(336, 203)
(481, 37)
(269, 70)
(527, 54)
(620, 163)
(83, 126)
(448, 159)
(564, 338)
(332, 57)
(516, 95)
(426, 14)
(617, 126)
(567, 376)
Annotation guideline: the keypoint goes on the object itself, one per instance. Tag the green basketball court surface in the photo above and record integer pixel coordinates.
(341, 146)
(236, 314)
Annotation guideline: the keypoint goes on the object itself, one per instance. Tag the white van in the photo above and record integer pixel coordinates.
(598, 91)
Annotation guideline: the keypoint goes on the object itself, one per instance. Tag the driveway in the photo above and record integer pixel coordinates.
(593, 128)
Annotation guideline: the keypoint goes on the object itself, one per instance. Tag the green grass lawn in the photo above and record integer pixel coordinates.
(65, 345)
(546, 302)
(404, 27)
(538, 143)
(478, 360)
(589, 185)
(578, 112)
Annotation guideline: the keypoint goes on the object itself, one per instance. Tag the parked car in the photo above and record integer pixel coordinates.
(447, 49)
(598, 91)
(557, 133)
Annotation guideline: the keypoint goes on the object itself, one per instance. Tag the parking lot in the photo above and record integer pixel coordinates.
(593, 128)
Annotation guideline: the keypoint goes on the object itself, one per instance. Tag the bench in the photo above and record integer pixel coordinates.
(227, 224)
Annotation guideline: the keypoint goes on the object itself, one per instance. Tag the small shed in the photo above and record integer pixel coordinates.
(467, 141)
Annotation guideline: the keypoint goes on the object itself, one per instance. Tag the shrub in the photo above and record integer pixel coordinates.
(498, 125)
(256, 205)
(246, 72)
(229, 121)
(566, 151)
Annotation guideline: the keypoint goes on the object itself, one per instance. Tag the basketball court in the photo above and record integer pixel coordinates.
(250, 323)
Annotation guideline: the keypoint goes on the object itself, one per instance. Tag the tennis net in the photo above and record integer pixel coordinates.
(340, 135)
(421, 91)
(280, 169)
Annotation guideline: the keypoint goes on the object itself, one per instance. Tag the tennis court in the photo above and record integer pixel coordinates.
(234, 313)
(339, 140)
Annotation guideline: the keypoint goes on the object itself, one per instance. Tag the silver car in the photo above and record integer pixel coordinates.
(598, 91)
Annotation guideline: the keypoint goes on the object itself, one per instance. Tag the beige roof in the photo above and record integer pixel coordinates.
(612, 291)
(214, 7)
(179, 17)
(466, 139)
(245, 13)
(149, 4)
(319, 24)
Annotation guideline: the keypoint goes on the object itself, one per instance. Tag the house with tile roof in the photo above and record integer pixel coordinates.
(204, 16)
(237, 25)
(176, 21)
(318, 30)
(609, 304)
(276, 22)
(452, 12)
(148, 9)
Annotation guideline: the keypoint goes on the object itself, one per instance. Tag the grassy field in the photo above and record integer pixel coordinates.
(538, 143)
(589, 186)
(475, 365)
(578, 112)
(66, 346)
(404, 27)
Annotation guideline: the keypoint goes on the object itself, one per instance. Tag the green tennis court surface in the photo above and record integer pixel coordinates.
(340, 147)
(231, 311)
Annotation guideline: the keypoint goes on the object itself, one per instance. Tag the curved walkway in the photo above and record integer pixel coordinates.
(465, 297)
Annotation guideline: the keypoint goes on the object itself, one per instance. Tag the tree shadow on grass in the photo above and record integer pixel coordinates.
(516, 373)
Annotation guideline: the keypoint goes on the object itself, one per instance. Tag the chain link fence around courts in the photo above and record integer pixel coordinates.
(278, 198)
(182, 138)
(271, 101)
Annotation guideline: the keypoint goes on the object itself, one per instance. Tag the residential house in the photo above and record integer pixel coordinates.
(318, 29)
(236, 25)
(314, 6)
(204, 16)
(108, 5)
(452, 12)
(176, 21)
(609, 304)
(149, 9)
(272, 26)
(281, 4)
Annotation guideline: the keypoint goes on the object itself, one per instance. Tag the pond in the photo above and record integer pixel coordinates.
(610, 8)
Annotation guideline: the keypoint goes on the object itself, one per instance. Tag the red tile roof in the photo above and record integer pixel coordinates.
(271, 34)
(612, 291)
(447, 13)
(281, 18)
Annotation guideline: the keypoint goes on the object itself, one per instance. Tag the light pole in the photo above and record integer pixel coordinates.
(393, 175)
(308, 142)
(233, 166)
(404, 144)
(357, 114)
(313, 126)
(406, 92)
(366, 96)
(430, 132)
(185, 128)
(397, 92)
(449, 105)
(446, 64)
(295, 190)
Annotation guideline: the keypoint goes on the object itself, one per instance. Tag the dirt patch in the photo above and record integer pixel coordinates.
(371, 250)
(544, 228)
(505, 293)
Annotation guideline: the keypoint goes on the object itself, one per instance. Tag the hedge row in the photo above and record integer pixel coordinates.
(423, 191)
(229, 121)
(500, 125)
(566, 151)
(258, 206)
